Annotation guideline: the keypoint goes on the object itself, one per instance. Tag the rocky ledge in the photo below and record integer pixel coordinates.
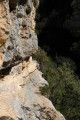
(20, 78)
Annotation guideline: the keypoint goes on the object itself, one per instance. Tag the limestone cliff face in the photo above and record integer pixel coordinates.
(20, 79)
(17, 37)
(20, 96)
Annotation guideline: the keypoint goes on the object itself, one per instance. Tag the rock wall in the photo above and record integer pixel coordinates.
(17, 37)
(20, 79)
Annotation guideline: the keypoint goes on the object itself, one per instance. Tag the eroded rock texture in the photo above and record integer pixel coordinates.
(20, 79)
(20, 96)
(17, 37)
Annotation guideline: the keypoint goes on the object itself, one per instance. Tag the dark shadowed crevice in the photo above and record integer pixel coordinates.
(22, 2)
(6, 118)
(5, 72)
(13, 4)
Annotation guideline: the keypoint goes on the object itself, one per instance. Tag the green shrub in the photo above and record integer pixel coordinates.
(64, 84)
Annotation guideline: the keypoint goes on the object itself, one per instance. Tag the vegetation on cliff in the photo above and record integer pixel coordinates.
(58, 27)
(64, 84)
(58, 30)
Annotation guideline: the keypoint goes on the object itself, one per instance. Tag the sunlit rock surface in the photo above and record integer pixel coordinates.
(20, 96)
(20, 78)
(18, 39)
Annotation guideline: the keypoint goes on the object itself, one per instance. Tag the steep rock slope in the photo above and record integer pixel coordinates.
(17, 37)
(20, 79)
(20, 97)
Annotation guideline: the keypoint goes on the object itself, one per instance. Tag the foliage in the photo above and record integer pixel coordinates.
(64, 84)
